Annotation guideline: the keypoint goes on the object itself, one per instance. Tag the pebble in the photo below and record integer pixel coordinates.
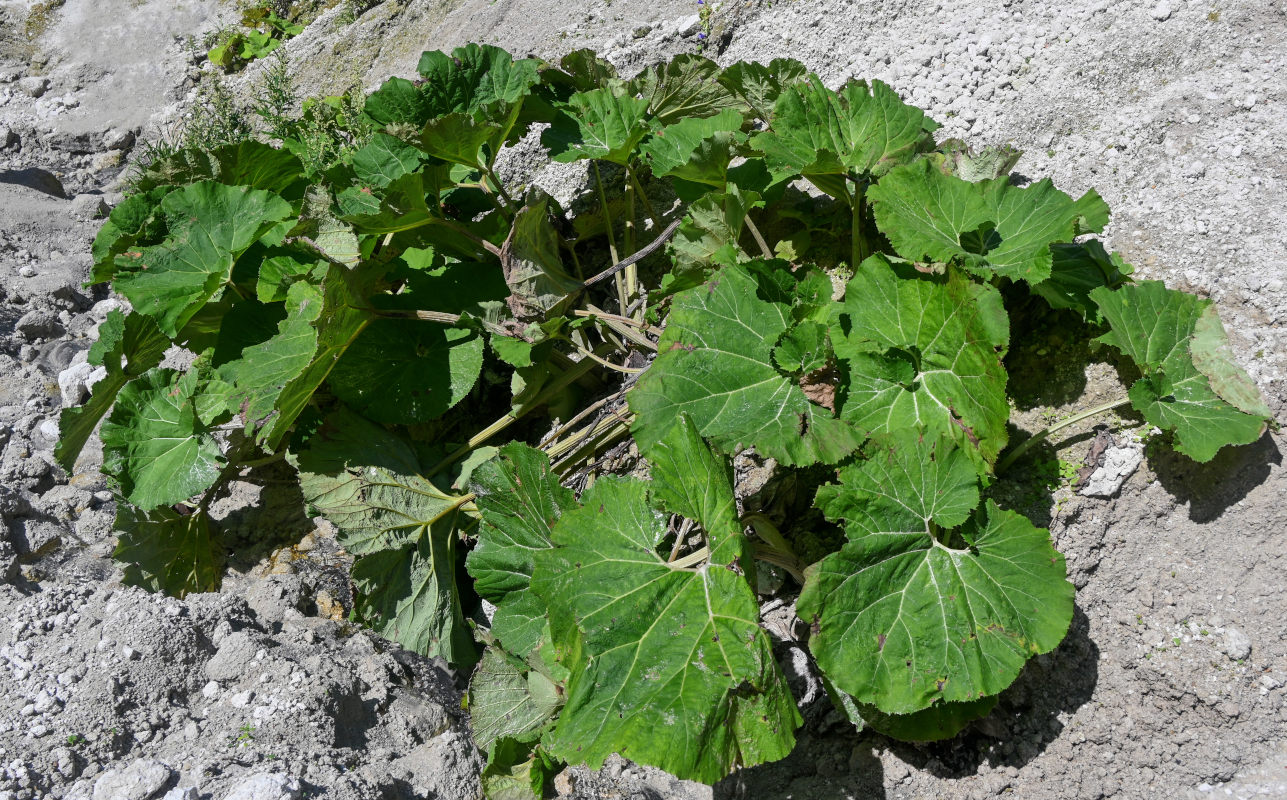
(27, 272)
(138, 781)
(1236, 644)
(1162, 11)
(34, 85)
(265, 786)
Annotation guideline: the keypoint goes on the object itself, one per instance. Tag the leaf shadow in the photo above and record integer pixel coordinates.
(1027, 717)
(1210, 489)
(1050, 352)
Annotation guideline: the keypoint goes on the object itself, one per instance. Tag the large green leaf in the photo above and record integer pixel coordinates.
(907, 614)
(264, 369)
(398, 207)
(155, 446)
(274, 380)
(245, 163)
(692, 480)
(598, 124)
(924, 351)
(475, 77)
(668, 666)
(507, 700)
(519, 499)
(716, 366)
(210, 225)
(127, 347)
(398, 101)
(1075, 270)
(409, 594)
(760, 85)
(169, 551)
(385, 159)
(138, 218)
(989, 227)
(686, 86)
(859, 130)
(458, 138)
(370, 484)
(710, 232)
(696, 149)
(517, 771)
(408, 371)
(1190, 383)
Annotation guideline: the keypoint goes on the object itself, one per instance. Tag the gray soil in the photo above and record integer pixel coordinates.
(1171, 680)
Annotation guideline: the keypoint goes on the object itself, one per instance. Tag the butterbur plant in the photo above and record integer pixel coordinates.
(459, 370)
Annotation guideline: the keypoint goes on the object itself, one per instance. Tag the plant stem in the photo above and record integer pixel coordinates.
(612, 237)
(652, 215)
(767, 531)
(598, 435)
(500, 190)
(632, 271)
(1023, 447)
(680, 536)
(858, 207)
(470, 235)
(607, 363)
(556, 386)
(759, 239)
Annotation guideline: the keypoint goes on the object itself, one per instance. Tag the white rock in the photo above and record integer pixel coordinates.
(1162, 11)
(1249, 101)
(1236, 644)
(1119, 464)
(687, 26)
(138, 781)
(27, 272)
(271, 786)
(75, 382)
(186, 793)
(49, 429)
(1195, 170)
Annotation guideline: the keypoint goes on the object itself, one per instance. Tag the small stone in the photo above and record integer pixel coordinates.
(271, 786)
(49, 429)
(27, 272)
(34, 85)
(687, 26)
(1195, 170)
(186, 793)
(138, 781)
(89, 206)
(1162, 11)
(210, 691)
(641, 31)
(39, 324)
(1236, 644)
(1249, 101)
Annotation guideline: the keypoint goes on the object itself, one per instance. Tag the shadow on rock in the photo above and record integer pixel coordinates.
(36, 178)
(1026, 720)
(1210, 488)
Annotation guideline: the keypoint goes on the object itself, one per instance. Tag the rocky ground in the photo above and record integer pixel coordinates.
(1171, 681)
